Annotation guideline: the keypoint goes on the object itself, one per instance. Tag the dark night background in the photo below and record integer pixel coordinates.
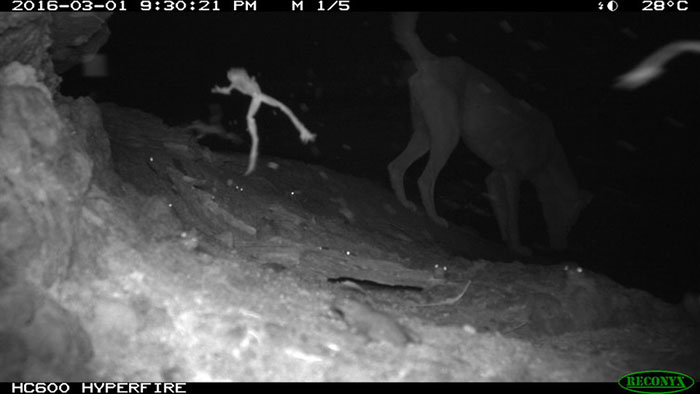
(345, 78)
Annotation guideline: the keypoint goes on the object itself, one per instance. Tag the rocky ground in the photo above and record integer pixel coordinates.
(187, 270)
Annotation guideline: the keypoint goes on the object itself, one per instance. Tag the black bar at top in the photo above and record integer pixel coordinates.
(331, 6)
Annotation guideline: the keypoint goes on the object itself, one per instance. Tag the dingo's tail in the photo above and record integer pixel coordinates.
(404, 24)
(653, 66)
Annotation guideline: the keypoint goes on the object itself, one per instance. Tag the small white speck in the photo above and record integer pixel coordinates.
(299, 355)
(629, 33)
(626, 145)
(674, 122)
(505, 26)
(469, 329)
(536, 45)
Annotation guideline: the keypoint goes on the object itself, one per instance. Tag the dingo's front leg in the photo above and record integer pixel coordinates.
(504, 192)
(440, 109)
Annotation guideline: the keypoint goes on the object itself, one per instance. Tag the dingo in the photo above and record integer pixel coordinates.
(449, 99)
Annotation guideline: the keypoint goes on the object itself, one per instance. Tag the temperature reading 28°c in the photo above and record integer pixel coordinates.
(336, 5)
(664, 5)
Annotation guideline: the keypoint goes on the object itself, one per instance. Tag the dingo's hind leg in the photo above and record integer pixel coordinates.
(416, 148)
(504, 193)
(497, 193)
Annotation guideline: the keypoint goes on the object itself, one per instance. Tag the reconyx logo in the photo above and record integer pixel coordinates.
(656, 382)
